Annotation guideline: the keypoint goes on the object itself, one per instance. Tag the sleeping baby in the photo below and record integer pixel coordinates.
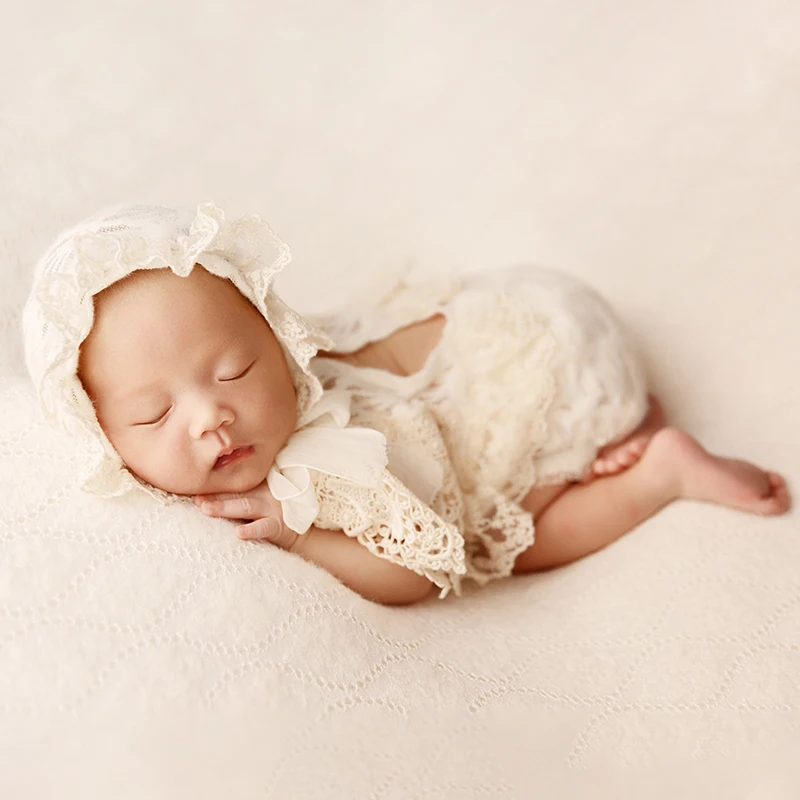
(428, 434)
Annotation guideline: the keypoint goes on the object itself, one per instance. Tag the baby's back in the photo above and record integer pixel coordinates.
(403, 352)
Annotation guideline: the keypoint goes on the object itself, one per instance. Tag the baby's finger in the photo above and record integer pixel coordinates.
(270, 529)
(202, 498)
(234, 508)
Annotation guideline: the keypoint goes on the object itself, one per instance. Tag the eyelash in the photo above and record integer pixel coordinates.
(157, 420)
(240, 375)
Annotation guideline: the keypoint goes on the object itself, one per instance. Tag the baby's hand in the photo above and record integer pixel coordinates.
(260, 510)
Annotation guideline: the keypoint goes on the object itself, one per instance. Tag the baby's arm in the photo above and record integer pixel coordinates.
(345, 558)
(372, 577)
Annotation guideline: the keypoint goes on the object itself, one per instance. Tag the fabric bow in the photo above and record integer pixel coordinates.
(322, 441)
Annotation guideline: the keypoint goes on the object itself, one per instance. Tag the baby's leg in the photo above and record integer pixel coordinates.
(539, 498)
(586, 518)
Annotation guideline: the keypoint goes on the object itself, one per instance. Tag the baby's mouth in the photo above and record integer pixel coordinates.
(237, 454)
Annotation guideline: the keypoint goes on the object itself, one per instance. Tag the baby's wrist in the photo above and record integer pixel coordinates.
(300, 542)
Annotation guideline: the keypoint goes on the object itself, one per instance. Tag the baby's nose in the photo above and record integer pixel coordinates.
(209, 417)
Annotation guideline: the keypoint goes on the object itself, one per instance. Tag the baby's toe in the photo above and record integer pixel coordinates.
(618, 465)
(780, 492)
(775, 500)
(770, 507)
(776, 481)
(608, 466)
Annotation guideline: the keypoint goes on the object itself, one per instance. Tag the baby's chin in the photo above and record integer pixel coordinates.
(238, 482)
(229, 484)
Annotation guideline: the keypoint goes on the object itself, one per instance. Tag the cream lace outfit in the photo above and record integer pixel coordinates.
(531, 376)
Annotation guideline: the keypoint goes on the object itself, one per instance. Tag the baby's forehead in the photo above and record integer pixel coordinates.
(158, 305)
(144, 287)
(155, 316)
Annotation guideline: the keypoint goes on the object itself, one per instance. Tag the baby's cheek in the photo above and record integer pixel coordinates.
(162, 459)
(178, 458)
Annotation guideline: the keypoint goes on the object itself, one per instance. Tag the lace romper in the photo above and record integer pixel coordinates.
(531, 376)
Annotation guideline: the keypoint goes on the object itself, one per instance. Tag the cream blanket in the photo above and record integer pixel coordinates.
(649, 148)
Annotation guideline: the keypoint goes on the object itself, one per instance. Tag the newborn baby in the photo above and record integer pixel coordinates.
(456, 429)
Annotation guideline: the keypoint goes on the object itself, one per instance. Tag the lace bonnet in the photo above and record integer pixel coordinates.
(111, 245)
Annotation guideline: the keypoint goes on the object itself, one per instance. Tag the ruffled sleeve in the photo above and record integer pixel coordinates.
(393, 523)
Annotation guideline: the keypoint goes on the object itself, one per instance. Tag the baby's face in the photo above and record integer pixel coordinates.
(188, 381)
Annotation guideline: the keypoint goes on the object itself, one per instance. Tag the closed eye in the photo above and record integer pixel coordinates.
(156, 420)
(240, 375)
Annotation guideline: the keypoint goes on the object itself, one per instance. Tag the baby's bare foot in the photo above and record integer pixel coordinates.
(700, 475)
(617, 457)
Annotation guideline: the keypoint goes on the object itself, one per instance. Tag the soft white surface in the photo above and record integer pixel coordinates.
(650, 147)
